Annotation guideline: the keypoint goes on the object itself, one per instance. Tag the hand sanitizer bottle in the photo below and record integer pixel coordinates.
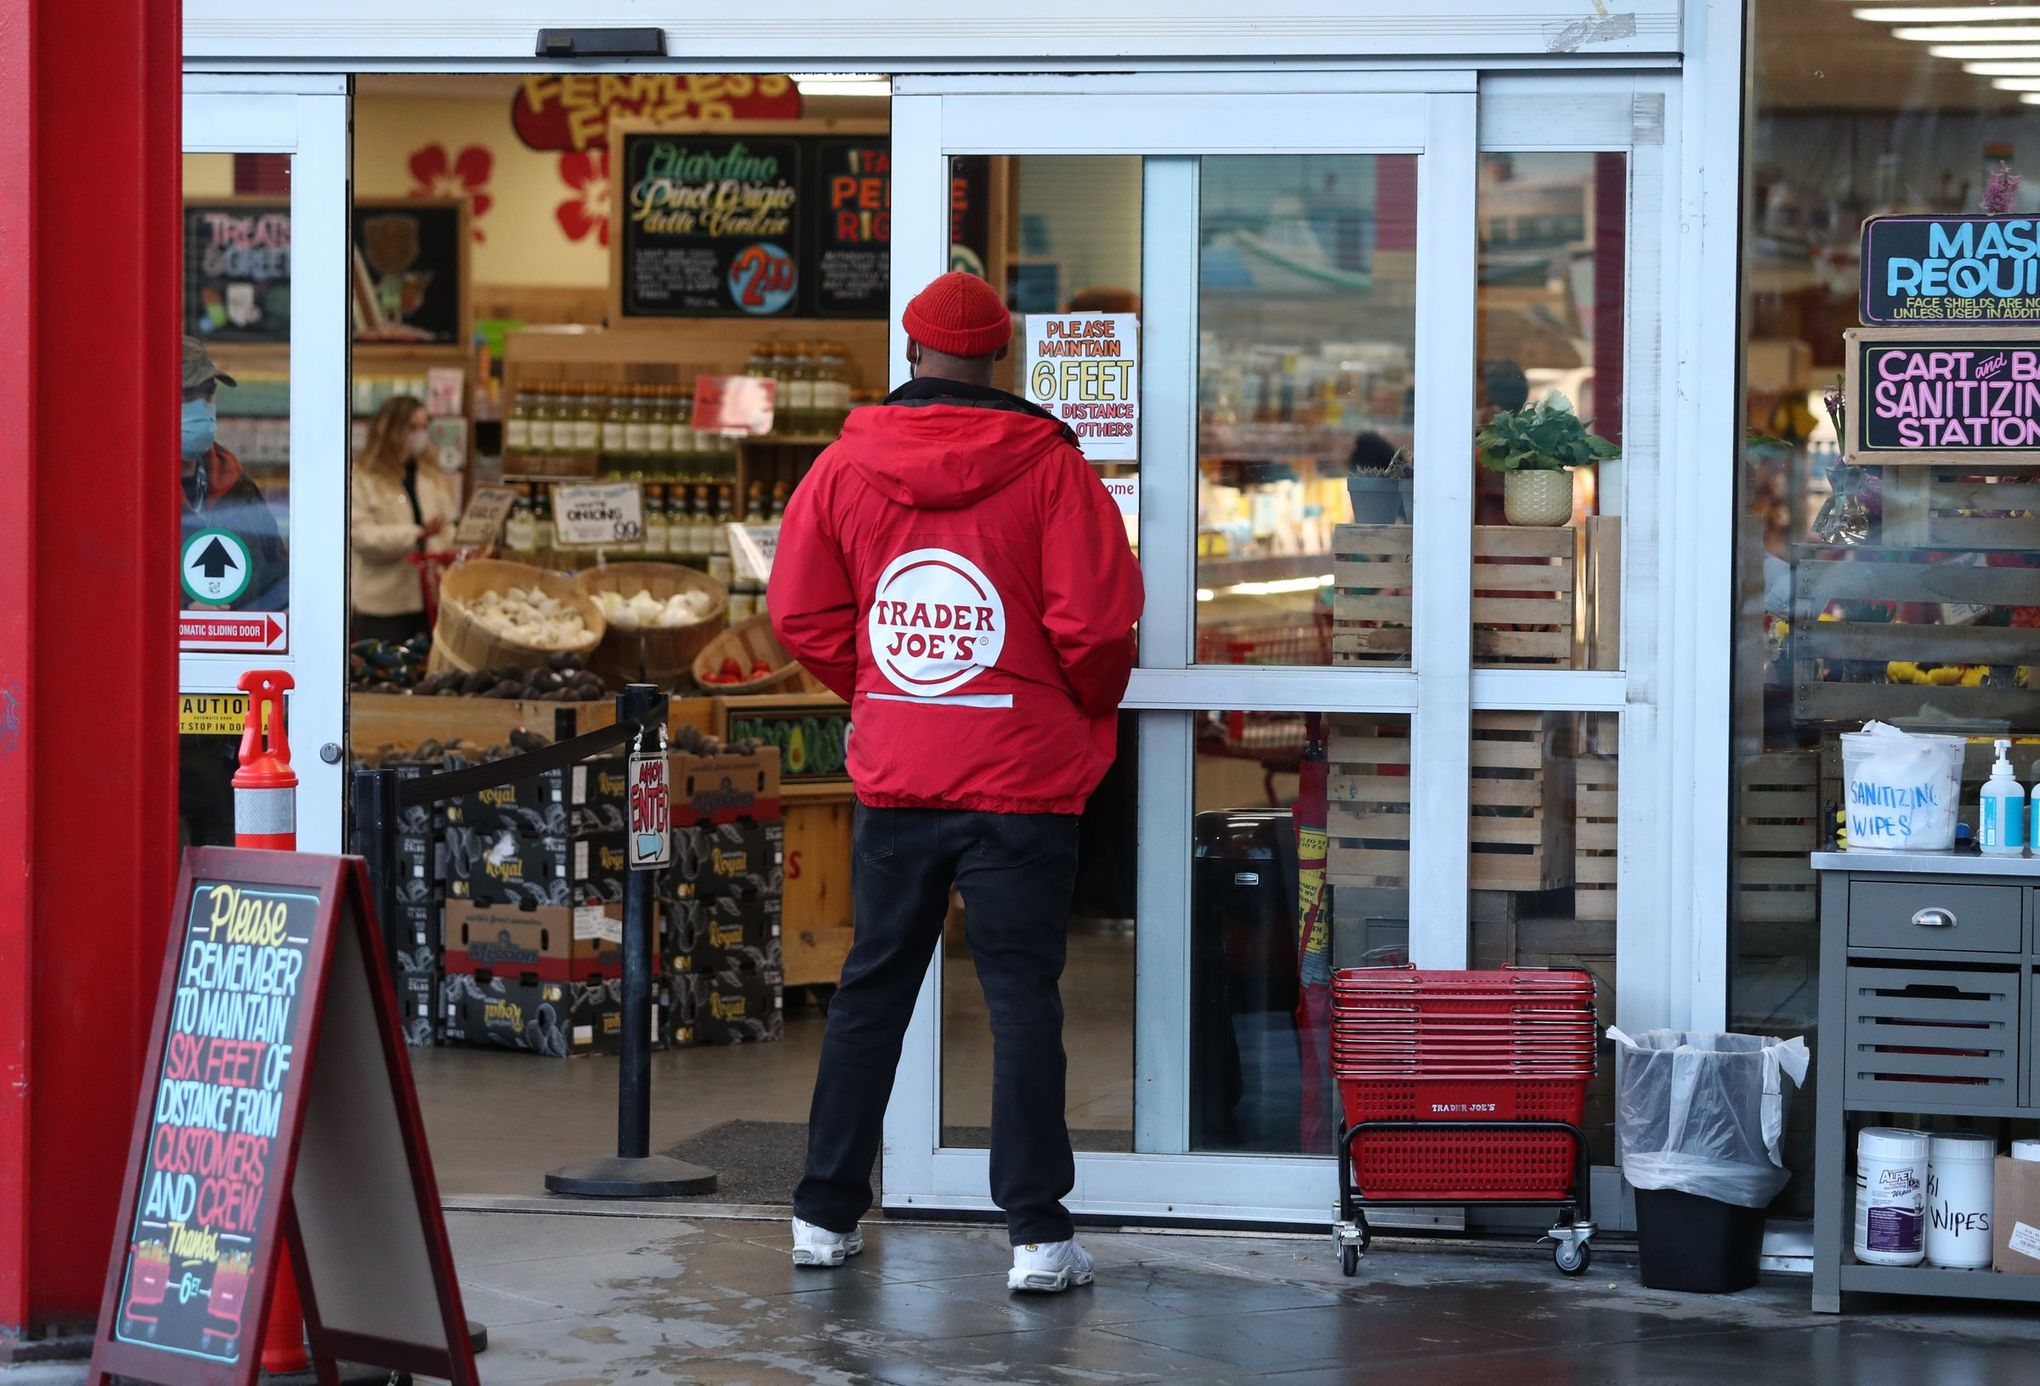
(2003, 831)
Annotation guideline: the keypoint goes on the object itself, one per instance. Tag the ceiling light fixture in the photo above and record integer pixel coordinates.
(1971, 33)
(1971, 52)
(1950, 14)
(842, 83)
(2002, 69)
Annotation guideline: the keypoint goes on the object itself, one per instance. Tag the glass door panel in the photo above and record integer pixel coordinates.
(263, 465)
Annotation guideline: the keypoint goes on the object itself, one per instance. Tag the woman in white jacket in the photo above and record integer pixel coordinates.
(399, 505)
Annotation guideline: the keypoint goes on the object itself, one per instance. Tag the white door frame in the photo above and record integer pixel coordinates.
(1434, 115)
(305, 117)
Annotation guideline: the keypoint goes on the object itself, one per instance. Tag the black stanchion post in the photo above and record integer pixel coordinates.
(634, 1172)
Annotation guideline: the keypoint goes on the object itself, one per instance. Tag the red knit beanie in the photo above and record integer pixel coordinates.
(960, 315)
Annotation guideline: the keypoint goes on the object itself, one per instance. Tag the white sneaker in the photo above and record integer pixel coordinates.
(818, 1246)
(1050, 1267)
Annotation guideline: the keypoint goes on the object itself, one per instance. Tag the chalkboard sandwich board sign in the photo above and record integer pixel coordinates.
(277, 1116)
(1935, 397)
(1953, 270)
(852, 195)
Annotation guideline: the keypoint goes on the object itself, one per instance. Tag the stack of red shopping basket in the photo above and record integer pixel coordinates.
(1463, 1047)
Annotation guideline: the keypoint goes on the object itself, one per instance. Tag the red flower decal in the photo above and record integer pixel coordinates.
(435, 174)
(587, 212)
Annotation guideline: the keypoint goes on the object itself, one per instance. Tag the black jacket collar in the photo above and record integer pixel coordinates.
(935, 390)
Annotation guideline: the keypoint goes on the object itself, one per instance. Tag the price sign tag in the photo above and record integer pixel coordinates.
(598, 516)
(751, 549)
(734, 403)
(651, 813)
(483, 521)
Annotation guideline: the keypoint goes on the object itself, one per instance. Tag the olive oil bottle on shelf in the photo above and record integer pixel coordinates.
(520, 530)
(658, 524)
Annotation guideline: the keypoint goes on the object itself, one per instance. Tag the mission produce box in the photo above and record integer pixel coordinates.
(744, 858)
(550, 1019)
(553, 943)
(723, 932)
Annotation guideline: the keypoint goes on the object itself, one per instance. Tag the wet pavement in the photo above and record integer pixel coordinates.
(576, 1300)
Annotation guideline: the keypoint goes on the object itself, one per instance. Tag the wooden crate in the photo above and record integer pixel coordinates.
(1521, 791)
(1595, 803)
(375, 720)
(1860, 648)
(1777, 826)
(1956, 508)
(1524, 598)
(815, 913)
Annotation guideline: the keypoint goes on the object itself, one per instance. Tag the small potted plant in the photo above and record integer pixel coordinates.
(1535, 449)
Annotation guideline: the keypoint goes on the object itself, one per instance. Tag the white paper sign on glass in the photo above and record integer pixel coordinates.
(1084, 368)
(599, 515)
(751, 550)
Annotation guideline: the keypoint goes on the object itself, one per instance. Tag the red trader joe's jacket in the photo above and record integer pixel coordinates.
(955, 569)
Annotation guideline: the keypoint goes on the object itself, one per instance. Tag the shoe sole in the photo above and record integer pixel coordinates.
(1046, 1282)
(826, 1260)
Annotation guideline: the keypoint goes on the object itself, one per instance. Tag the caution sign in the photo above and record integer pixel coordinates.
(215, 566)
(211, 714)
(1084, 368)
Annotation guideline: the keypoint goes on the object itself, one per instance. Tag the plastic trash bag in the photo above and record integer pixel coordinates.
(1704, 1114)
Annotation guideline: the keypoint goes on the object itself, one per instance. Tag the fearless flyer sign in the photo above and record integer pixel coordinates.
(1084, 368)
(277, 1117)
(1936, 397)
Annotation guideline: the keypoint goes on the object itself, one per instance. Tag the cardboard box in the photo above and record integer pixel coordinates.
(737, 1007)
(417, 980)
(419, 925)
(596, 794)
(552, 943)
(724, 789)
(503, 865)
(723, 933)
(597, 868)
(551, 1019)
(743, 858)
(2015, 1217)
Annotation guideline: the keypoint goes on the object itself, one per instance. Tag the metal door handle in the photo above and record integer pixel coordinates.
(1935, 917)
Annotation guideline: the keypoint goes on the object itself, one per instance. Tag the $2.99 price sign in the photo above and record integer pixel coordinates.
(651, 813)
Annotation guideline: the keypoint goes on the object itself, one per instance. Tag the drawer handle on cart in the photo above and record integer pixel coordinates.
(1935, 917)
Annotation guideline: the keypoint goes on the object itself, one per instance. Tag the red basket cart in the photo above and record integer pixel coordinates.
(431, 570)
(1464, 1087)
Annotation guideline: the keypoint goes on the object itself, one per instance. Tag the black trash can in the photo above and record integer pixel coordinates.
(1698, 1245)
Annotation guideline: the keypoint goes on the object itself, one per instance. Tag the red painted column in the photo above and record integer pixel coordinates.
(90, 179)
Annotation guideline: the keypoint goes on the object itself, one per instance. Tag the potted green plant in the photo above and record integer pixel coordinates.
(1535, 449)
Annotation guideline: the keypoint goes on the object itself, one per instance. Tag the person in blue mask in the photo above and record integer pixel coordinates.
(219, 494)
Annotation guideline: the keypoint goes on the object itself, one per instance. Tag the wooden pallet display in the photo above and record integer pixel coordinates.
(1968, 507)
(1777, 821)
(1523, 595)
(1595, 802)
(1521, 790)
(1822, 577)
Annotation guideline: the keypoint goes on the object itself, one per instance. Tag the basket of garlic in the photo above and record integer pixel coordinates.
(493, 614)
(659, 616)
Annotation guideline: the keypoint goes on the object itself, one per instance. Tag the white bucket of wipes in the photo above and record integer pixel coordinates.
(1902, 789)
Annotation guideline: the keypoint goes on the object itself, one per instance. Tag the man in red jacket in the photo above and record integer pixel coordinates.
(955, 570)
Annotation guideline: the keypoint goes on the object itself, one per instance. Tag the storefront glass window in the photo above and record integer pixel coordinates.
(1286, 804)
(1306, 343)
(1902, 591)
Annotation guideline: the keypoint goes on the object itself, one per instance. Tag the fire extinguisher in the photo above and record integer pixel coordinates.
(1313, 942)
(265, 816)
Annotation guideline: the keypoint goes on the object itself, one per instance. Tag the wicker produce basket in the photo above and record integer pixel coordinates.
(655, 654)
(748, 642)
(466, 642)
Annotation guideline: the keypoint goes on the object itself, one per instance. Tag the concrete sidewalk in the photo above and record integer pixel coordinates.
(573, 1300)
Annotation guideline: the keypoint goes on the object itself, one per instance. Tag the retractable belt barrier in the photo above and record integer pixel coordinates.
(449, 784)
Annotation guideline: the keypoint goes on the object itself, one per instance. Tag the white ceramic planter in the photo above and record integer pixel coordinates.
(1537, 498)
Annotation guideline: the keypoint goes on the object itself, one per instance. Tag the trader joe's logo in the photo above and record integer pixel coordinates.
(936, 622)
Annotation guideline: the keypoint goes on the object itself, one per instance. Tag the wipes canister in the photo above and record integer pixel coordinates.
(1891, 1196)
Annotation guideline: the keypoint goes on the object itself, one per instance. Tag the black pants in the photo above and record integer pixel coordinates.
(1016, 873)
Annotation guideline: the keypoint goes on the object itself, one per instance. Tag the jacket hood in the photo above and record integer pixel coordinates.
(943, 445)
